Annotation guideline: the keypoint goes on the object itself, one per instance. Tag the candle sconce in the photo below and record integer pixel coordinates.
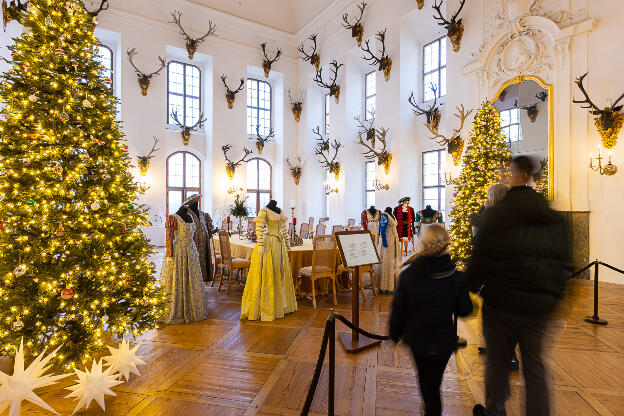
(448, 179)
(329, 189)
(380, 186)
(234, 190)
(609, 169)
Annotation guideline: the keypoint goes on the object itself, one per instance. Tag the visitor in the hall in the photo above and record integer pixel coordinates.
(430, 291)
(521, 258)
(390, 251)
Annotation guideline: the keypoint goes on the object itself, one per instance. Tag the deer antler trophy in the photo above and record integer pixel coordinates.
(268, 62)
(383, 157)
(230, 95)
(144, 161)
(12, 11)
(262, 140)
(186, 131)
(313, 57)
(296, 169)
(608, 121)
(192, 43)
(230, 166)
(384, 61)
(432, 113)
(331, 165)
(144, 79)
(321, 142)
(455, 144)
(334, 89)
(357, 30)
(420, 3)
(296, 105)
(532, 110)
(454, 27)
(367, 130)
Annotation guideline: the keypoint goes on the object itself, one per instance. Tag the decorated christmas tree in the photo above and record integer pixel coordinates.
(486, 157)
(73, 262)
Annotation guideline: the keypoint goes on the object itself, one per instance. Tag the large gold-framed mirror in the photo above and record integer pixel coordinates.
(526, 107)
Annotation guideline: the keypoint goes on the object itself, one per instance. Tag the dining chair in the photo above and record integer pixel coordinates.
(320, 229)
(324, 219)
(251, 226)
(305, 230)
(311, 223)
(291, 230)
(230, 265)
(351, 222)
(216, 261)
(323, 265)
(337, 228)
(355, 228)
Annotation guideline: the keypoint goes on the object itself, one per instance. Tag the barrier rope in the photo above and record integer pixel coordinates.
(360, 330)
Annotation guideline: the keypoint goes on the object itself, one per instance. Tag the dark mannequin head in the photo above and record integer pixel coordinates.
(272, 205)
(428, 212)
(388, 211)
(183, 213)
(372, 210)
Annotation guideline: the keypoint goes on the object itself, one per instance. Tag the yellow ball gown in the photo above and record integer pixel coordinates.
(269, 292)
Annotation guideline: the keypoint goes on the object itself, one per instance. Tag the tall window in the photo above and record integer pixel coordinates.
(370, 82)
(258, 185)
(258, 106)
(104, 55)
(510, 123)
(184, 93)
(434, 164)
(370, 183)
(183, 179)
(327, 115)
(434, 68)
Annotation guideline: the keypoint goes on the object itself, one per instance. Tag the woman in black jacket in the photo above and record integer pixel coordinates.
(429, 293)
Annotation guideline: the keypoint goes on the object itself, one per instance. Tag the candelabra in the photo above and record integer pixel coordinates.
(380, 186)
(234, 190)
(448, 179)
(609, 169)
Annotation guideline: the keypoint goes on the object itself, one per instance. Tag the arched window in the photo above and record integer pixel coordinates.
(104, 55)
(183, 179)
(259, 185)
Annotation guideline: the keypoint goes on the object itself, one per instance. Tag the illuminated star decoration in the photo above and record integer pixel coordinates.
(124, 360)
(93, 385)
(21, 385)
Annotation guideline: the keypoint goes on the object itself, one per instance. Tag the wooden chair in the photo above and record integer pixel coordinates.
(323, 265)
(355, 228)
(320, 229)
(350, 223)
(305, 230)
(311, 223)
(230, 265)
(251, 226)
(324, 219)
(291, 230)
(337, 228)
(216, 261)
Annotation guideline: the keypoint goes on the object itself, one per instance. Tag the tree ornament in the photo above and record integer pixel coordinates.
(128, 280)
(93, 385)
(124, 360)
(67, 293)
(33, 98)
(60, 231)
(18, 325)
(59, 51)
(95, 206)
(70, 7)
(64, 116)
(3, 173)
(58, 168)
(25, 65)
(75, 64)
(30, 202)
(26, 159)
(106, 257)
(130, 207)
(106, 176)
(108, 81)
(104, 320)
(124, 228)
(20, 386)
(86, 103)
(48, 20)
(1, 225)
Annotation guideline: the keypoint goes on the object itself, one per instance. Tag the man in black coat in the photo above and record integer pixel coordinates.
(521, 257)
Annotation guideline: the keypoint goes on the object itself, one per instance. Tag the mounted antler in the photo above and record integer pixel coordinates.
(367, 130)
(262, 140)
(321, 142)
(268, 62)
(144, 79)
(383, 156)
(542, 96)
(455, 144)
(420, 3)
(144, 161)
(357, 30)
(296, 106)
(12, 11)
(608, 121)
(334, 89)
(313, 57)
(296, 169)
(432, 113)
(230, 95)
(532, 111)
(384, 61)
(230, 166)
(331, 165)
(192, 43)
(185, 131)
(103, 6)
(454, 27)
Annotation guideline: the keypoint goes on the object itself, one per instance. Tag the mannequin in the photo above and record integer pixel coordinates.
(272, 205)
(182, 212)
(390, 250)
(405, 216)
(203, 234)
(370, 220)
(428, 216)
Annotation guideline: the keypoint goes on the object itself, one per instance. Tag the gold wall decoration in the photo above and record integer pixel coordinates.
(332, 86)
(384, 61)
(357, 30)
(230, 95)
(432, 113)
(267, 63)
(454, 27)
(191, 42)
(330, 164)
(262, 140)
(313, 57)
(455, 144)
(144, 78)
(186, 131)
(230, 166)
(144, 161)
(296, 168)
(296, 105)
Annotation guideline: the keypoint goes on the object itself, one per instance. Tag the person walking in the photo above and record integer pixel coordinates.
(521, 258)
(429, 292)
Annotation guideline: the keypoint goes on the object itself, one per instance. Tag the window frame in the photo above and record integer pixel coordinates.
(261, 191)
(368, 190)
(519, 124)
(441, 187)
(112, 65)
(184, 189)
(327, 115)
(367, 97)
(257, 108)
(185, 95)
(438, 70)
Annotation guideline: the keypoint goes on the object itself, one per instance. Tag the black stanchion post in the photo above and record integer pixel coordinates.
(332, 367)
(595, 319)
(459, 342)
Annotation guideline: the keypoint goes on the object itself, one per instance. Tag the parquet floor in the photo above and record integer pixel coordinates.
(225, 367)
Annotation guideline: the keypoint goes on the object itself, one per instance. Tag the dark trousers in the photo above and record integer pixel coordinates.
(502, 330)
(430, 371)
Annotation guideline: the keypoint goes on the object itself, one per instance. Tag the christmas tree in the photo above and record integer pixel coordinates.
(486, 157)
(73, 262)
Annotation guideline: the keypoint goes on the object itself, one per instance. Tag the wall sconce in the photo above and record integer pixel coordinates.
(448, 179)
(234, 190)
(609, 169)
(380, 186)
(329, 189)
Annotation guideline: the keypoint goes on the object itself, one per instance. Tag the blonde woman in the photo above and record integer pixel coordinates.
(430, 291)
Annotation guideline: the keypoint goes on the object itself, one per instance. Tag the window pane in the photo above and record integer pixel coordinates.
(176, 78)
(192, 171)
(264, 199)
(371, 84)
(431, 197)
(430, 79)
(370, 198)
(443, 52)
(251, 203)
(370, 107)
(442, 91)
(192, 81)
(264, 175)
(252, 174)
(176, 170)
(174, 199)
(370, 176)
(105, 56)
(431, 57)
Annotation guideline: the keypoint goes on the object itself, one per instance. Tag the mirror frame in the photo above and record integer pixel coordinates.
(551, 123)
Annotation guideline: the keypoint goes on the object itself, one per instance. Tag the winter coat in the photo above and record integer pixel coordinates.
(521, 255)
(429, 293)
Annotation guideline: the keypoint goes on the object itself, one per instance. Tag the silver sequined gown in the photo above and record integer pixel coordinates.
(181, 278)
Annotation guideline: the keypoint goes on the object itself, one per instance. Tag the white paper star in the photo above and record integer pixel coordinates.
(21, 385)
(93, 385)
(124, 360)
